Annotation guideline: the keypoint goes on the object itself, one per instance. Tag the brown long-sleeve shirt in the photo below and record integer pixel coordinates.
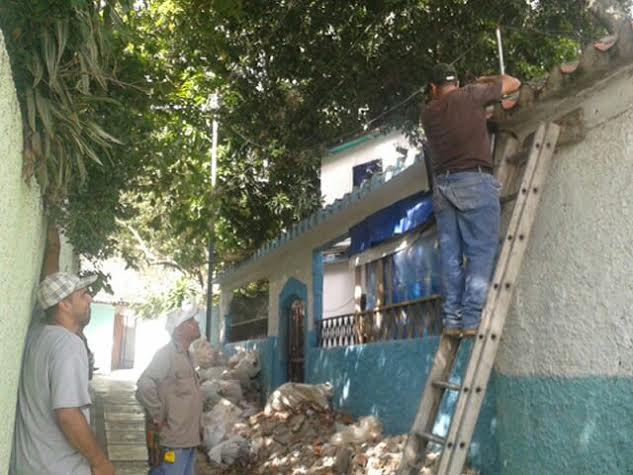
(169, 390)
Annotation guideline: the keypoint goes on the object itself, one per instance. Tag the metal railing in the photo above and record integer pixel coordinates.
(248, 330)
(411, 319)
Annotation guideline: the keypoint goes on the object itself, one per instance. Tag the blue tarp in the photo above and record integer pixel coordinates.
(395, 220)
(414, 273)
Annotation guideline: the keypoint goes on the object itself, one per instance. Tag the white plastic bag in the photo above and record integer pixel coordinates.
(290, 395)
(203, 354)
(219, 421)
(366, 429)
(211, 374)
(243, 366)
(229, 451)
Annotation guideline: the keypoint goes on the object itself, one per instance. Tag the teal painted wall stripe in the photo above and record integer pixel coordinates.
(564, 426)
(386, 379)
(351, 144)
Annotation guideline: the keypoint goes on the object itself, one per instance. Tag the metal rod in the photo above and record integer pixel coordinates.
(214, 105)
(502, 67)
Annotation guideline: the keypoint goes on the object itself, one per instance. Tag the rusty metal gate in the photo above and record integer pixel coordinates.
(296, 356)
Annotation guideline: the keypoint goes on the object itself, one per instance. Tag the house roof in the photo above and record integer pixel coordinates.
(325, 214)
(598, 59)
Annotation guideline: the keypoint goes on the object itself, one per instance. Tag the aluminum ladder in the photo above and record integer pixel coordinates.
(534, 162)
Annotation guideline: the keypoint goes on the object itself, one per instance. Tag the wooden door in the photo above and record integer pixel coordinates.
(296, 356)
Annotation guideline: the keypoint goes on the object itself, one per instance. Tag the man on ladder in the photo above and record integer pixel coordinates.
(465, 192)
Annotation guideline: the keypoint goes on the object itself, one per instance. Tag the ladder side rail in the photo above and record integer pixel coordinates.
(481, 374)
(429, 405)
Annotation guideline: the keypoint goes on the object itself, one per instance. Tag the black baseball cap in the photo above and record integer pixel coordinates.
(443, 73)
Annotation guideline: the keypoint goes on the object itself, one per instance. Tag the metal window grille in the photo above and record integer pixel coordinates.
(412, 319)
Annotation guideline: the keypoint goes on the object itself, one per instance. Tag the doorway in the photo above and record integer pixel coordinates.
(296, 351)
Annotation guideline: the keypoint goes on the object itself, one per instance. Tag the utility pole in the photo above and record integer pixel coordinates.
(212, 105)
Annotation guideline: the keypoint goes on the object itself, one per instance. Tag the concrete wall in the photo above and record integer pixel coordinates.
(21, 251)
(565, 368)
(336, 169)
(22, 238)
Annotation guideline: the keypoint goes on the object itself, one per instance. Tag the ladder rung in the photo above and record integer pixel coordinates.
(433, 438)
(447, 385)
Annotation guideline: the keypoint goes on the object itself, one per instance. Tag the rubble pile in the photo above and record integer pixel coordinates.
(230, 395)
(296, 433)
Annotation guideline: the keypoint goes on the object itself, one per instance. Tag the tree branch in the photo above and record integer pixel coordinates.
(150, 257)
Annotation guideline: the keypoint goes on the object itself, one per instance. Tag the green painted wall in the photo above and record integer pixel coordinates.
(22, 233)
(99, 333)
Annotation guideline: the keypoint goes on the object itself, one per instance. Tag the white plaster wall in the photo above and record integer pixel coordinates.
(336, 170)
(21, 251)
(338, 289)
(299, 266)
(571, 314)
(22, 238)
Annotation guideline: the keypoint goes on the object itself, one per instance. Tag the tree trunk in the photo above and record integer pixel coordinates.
(51, 252)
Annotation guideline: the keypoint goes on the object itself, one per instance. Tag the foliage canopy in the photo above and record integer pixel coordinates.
(117, 126)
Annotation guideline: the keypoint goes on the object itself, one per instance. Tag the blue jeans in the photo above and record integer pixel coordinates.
(185, 464)
(467, 211)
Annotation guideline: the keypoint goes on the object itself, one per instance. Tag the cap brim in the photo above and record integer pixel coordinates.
(86, 281)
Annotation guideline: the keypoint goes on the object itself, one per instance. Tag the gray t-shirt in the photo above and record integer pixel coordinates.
(54, 376)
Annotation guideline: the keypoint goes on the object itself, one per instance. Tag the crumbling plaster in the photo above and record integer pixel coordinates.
(564, 372)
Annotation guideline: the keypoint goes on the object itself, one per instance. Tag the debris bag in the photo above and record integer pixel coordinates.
(218, 422)
(291, 395)
(211, 374)
(243, 366)
(210, 393)
(367, 429)
(230, 390)
(230, 451)
(203, 354)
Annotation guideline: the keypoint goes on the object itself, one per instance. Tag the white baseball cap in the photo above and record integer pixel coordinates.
(180, 315)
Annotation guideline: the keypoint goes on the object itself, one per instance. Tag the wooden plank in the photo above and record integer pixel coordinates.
(493, 320)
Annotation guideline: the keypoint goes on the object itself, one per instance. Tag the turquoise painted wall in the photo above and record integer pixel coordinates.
(565, 426)
(387, 380)
(100, 335)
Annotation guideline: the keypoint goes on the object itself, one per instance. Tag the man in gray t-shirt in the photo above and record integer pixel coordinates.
(52, 428)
